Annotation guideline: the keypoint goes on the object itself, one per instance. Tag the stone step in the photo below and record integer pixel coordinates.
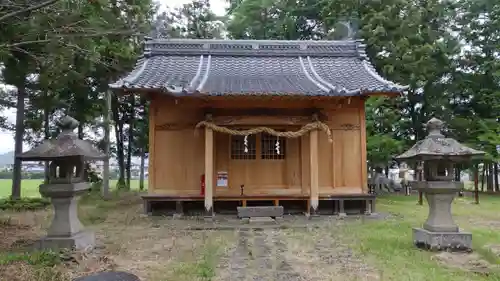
(263, 220)
(260, 211)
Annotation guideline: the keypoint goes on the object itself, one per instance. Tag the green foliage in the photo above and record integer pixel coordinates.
(24, 204)
(383, 133)
(193, 20)
(477, 79)
(283, 19)
(41, 258)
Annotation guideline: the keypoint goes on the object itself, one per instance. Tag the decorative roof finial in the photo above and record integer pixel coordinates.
(67, 124)
(434, 127)
(159, 26)
(346, 29)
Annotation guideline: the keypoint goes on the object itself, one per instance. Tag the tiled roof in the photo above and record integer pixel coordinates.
(256, 67)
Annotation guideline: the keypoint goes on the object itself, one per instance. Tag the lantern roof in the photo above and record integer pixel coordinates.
(67, 144)
(437, 146)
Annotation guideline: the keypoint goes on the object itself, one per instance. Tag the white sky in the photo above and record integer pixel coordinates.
(218, 6)
(7, 138)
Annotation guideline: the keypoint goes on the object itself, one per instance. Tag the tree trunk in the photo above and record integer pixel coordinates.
(19, 137)
(105, 170)
(489, 181)
(119, 141)
(46, 132)
(141, 171)
(495, 177)
(130, 139)
(483, 176)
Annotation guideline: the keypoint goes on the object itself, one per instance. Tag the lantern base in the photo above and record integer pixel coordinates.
(81, 240)
(442, 241)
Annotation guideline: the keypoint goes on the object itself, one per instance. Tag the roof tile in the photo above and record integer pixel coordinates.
(221, 67)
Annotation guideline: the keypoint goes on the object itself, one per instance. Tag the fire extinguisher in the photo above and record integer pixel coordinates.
(202, 185)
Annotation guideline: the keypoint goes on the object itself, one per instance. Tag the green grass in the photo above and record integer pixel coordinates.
(29, 188)
(388, 244)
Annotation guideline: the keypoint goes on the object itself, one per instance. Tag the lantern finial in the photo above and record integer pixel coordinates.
(67, 123)
(434, 127)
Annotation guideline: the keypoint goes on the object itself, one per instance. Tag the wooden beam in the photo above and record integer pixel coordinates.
(256, 110)
(347, 127)
(364, 164)
(175, 126)
(153, 110)
(261, 120)
(313, 147)
(209, 171)
(245, 120)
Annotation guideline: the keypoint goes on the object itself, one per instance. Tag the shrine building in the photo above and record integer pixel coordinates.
(256, 122)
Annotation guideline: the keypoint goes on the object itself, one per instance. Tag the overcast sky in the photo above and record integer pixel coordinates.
(7, 139)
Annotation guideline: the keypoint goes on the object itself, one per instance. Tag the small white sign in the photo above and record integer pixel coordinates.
(498, 148)
(221, 179)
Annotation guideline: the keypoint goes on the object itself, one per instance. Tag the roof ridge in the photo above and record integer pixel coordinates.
(247, 41)
(331, 48)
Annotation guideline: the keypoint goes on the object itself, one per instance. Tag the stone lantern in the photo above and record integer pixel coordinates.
(67, 155)
(439, 155)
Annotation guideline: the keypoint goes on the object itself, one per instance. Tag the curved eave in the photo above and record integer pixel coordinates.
(360, 92)
(373, 72)
(42, 158)
(295, 76)
(127, 81)
(451, 157)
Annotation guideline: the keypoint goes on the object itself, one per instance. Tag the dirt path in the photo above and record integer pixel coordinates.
(300, 255)
(258, 255)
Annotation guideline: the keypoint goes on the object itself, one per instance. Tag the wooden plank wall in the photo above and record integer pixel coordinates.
(177, 153)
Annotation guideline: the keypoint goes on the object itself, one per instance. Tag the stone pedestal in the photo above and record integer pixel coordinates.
(66, 230)
(81, 240)
(442, 241)
(440, 232)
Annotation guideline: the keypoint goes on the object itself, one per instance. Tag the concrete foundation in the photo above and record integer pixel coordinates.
(442, 241)
(81, 240)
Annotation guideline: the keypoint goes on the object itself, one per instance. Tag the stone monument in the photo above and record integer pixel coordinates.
(67, 155)
(439, 155)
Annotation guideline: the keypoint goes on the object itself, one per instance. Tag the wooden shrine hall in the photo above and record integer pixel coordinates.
(254, 122)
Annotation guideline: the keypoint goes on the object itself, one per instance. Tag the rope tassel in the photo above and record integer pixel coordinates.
(316, 125)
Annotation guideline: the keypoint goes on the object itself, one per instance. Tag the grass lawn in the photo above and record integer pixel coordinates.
(388, 244)
(29, 188)
(160, 248)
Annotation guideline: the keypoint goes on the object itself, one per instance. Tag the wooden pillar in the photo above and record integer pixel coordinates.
(209, 171)
(314, 194)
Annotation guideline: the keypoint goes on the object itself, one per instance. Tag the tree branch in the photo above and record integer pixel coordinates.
(61, 36)
(28, 9)
(7, 103)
